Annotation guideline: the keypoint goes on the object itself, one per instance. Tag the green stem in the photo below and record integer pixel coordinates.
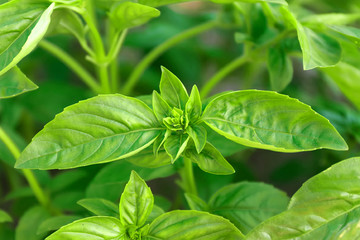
(227, 69)
(98, 45)
(156, 52)
(113, 53)
(29, 175)
(209, 86)
(72, 64)
(188, 177)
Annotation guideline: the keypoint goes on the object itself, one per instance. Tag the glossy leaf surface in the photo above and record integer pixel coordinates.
(160, 107)
(100, 207)
(347, 78)
(247, 204)
(172, 90)
(280, 69)
(320, 208)
(93, 228)
(209, 160)
(22, 25)
(319, 50)
(199, 135)
(193, 106)
(175, 145)
(101, 129)
(272, 121)
(130, 14)
(184, 225)
(136, 202)
(158, 3)
(147, 159)
(14, 82)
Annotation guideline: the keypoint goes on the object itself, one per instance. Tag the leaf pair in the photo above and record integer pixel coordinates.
(110, 127)
(136, 204)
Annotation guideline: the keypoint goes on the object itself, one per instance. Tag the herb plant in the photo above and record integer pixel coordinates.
(78, 162)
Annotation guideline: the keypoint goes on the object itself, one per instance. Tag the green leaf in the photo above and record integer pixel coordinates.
(158, 3)
(156, 212)
(160, 107)
(14, 83)
(319, 50)
(136, 202)
(272, 121)
(248, 204)
(92, 228)
(29, 223)
(147, 159)
(314, 20)
(193, 106)
(54, 223)
(23, 24)
(111, 180)
(347, 78)
(184, 225)
(100, 207)
(320, 208)
(283, 2)
(210, 160)
(159, 142)
(350, 232)
(350, 32)
(129, 14)
(172, 90)
(101, 129)
(198, 134)
(280, 69)
(66, 179)
(196, 203)
(175, 145)
(4, 217)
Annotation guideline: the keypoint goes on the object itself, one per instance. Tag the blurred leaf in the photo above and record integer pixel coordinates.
(283, 2)
(100, 207)
(29, 224)
(350, 32)
(248, 204)
(54, 223)
(14, 83)
(65, 179)
(347, 78)
(67, 200)
(196, 203)
(156, 212)
(129, 14)
(315, 20)
(19, 193)
(4, 217)
(158, 3)
(280, 69)
(319, 50)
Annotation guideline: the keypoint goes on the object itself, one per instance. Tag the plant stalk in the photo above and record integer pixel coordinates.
(29, 175)
(188, 177)
(82, 73)
(227, 69)
(156, 52)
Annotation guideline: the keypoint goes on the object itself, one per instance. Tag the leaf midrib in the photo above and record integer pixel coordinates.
(96, 139)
